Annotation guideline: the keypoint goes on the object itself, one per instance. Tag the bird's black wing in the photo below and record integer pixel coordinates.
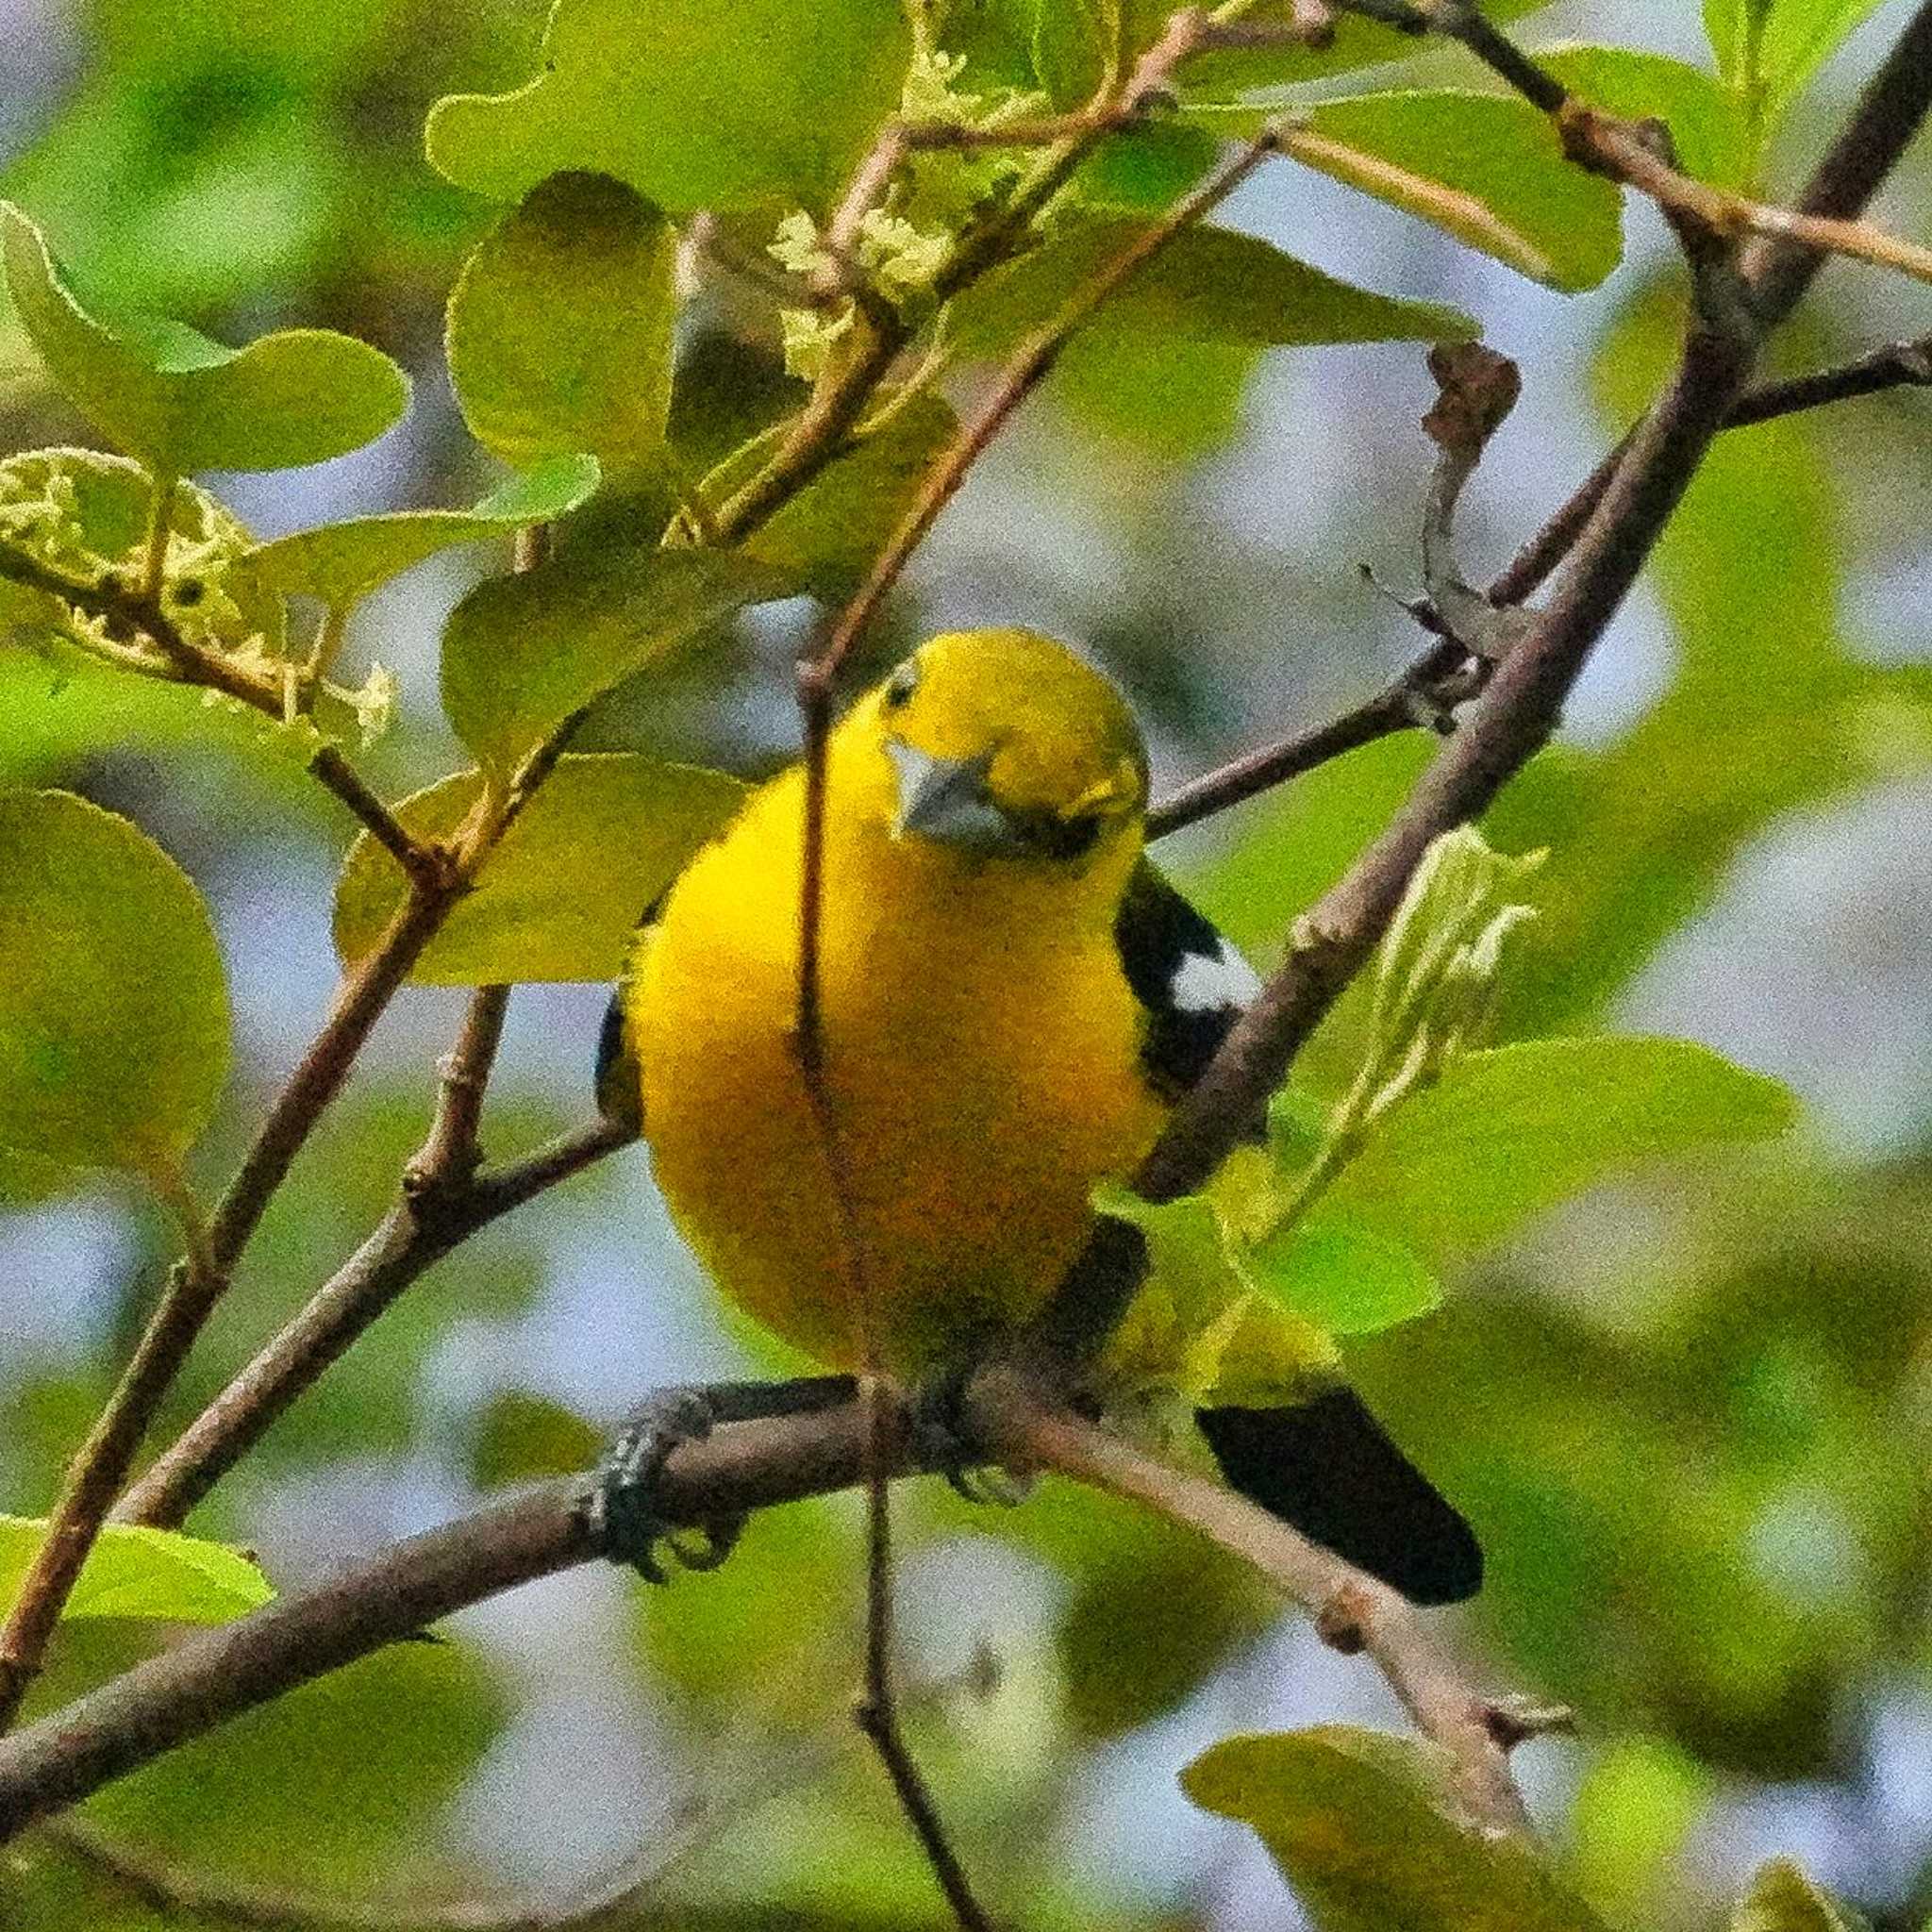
(1191, 982)
(1326, 1466)
(619, 1096)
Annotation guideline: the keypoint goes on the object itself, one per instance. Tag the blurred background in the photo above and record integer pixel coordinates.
(1689, 1415)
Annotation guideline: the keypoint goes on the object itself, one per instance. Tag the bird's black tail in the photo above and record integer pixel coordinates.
(1328, 1467)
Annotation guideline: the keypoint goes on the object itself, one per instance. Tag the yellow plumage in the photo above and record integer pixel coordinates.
(982, 1040)
(1010, 997)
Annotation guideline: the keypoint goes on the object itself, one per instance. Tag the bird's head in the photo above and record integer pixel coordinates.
(1002, 746)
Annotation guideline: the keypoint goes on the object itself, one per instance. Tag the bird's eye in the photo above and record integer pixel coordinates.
(900, 686)
(1069, 837)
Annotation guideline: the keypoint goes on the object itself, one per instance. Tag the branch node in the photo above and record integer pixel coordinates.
(1513, 1721)
(1341, 1622)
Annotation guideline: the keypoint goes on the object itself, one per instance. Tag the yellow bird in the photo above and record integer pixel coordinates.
(1012, 997)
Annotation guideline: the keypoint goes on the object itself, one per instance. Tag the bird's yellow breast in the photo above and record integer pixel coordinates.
(982, 1049)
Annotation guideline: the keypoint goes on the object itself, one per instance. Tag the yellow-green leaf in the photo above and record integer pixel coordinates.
(1486, 168)
(1511, 1130)
(341, 564)
(179, 401)
(1211, 284)
(830, 533)
(1359, 1825)
(523, 654)
(113, 1014)
(1707, 122)
(1782, 1899)
(1345, 1279)
(133, 1570)
(561, 326)
(561, 896)
(698, 104)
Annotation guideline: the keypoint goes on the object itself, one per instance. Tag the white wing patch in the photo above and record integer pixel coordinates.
(1213, 982)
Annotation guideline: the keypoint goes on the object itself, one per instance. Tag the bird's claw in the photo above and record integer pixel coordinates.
(942, 1442)
(618, 1507)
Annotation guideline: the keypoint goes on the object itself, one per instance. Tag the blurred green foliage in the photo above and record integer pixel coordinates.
(1689, 1414)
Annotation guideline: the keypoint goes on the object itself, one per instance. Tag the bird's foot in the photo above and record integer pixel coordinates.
(620, 1507)
(942, 1442)
(620, 1504)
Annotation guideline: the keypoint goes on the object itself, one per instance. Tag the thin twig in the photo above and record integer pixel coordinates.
(1030, 367)
(1427, 688)
(418, 1230)
(450, 1154)
(1896, 365)
(817, 680)
(1825, 222)
(178, 656)
(821, 431)
(878, 1705)
(97, 1469)
(1352, 1610)
(101, 1465)
(1428, 692)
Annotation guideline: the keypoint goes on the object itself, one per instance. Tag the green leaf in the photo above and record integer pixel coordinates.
(1210, 284)
(113, 1016)
(1202, 1323)
(181, 403)
(1782, 1899)
(523, 654)
(830, 534)
(1733, 27)
(1707, 123)
(1512, 1130)
(341, 563)
(1345, 1279)
(696, 104)
(1767, 50)
(517, 1437)
(1146, 170)
(329, 1783)
(1359, 1825)
(133, 1570)
(561, 896)
(1485, 168)
(561, 326)
(1637, 1801)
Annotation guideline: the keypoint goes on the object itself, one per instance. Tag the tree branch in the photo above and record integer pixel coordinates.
(1791, 241)
(194, 1287)
(1443, 678)
(178, 658)
(1353, 1611)
(1894, 366)
(420, 1228)
(217, 1674)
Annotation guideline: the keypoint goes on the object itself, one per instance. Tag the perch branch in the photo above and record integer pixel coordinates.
(217, 1674)
(1353, 1611)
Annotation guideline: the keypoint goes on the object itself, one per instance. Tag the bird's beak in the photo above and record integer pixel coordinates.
(945, 800)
